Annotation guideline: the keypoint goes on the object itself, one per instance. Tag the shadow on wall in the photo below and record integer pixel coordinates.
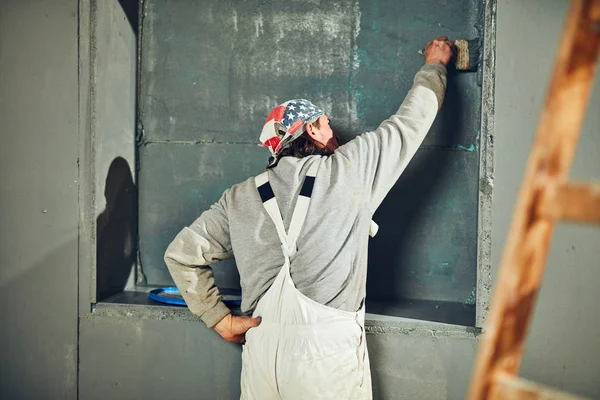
(116, 231)
(131, 10)
(404, 209)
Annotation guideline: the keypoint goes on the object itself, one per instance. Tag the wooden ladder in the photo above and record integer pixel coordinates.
(545, 196)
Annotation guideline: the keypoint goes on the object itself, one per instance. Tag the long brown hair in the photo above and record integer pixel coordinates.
(305, 146)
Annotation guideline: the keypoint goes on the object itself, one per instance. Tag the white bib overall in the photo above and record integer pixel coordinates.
(302, 349)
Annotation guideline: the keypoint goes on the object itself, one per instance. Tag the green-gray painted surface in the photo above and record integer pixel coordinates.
(431, 203)
(213, 70)
(181, 181)
(210, 73)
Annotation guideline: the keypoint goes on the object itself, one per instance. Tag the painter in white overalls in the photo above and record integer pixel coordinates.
(302, 349)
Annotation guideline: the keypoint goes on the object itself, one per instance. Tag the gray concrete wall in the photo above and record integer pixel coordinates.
(115, 82)
(114, 146)
(125, 357)
(38, 199)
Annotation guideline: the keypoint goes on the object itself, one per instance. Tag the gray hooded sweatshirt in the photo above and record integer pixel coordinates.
(330, 265)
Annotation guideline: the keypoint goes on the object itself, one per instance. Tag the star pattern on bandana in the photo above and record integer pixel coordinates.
(298, 109)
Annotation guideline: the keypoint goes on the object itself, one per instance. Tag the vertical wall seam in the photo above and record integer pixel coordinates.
(486, 166)
(140, 277)
(85, 169)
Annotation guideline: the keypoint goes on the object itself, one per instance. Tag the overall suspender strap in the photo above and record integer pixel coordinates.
(288, 240)
(270, 203)
(301, 208)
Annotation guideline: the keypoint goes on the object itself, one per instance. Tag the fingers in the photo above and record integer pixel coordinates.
(437, 41)
(233, 328)
(239, 331)
(246, 323)
(441, 41)
(439, 50)
(242, 324)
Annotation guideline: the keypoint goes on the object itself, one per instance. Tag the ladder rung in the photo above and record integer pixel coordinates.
(512, 387)
(571, 202)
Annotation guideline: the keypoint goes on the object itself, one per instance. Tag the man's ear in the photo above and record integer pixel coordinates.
(309, 129)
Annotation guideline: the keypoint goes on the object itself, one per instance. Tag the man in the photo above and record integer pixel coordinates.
(299, 234)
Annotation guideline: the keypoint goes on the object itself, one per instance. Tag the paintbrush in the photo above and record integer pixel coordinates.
(467, 54)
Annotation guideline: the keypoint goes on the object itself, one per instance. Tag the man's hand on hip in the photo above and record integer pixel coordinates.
(233, 329)
(439, 50)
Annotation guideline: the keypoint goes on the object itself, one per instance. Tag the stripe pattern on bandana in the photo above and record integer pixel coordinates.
(287, 122)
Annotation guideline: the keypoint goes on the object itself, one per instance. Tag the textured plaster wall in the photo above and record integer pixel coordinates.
(38, 199)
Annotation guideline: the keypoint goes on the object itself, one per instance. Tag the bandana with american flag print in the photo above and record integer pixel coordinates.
(286, 122)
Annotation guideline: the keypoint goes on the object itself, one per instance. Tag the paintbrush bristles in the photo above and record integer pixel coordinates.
(467, 54)
(462, 54)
